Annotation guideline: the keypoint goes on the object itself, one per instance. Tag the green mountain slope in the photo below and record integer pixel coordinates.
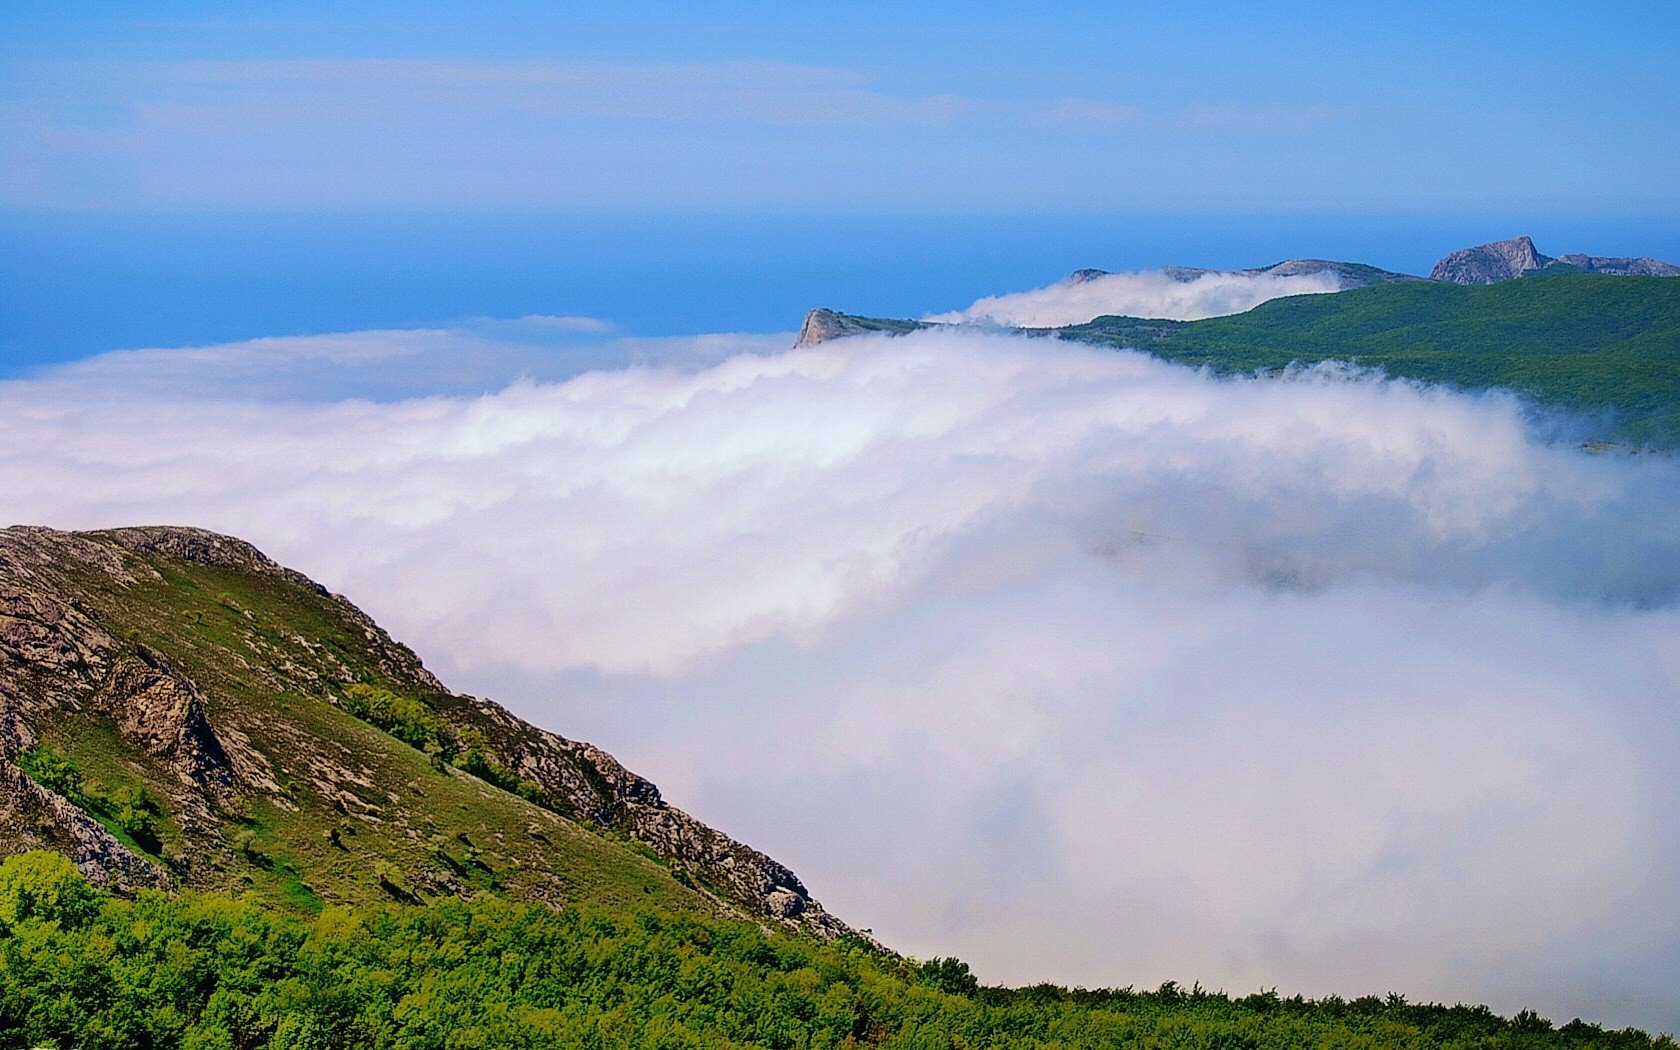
(1586, 342)
(178, 710)
(1606, 346)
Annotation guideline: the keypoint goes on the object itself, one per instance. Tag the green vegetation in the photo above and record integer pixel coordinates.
(78, 968)
(132, 814)
(419, 726)
(354, 791)
(1602, 345)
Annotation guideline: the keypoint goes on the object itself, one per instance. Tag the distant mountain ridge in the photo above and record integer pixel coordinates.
(1605, 345)
(1518, 257)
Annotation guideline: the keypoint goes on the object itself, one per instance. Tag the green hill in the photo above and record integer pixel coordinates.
(176, 710)
(1591, 343)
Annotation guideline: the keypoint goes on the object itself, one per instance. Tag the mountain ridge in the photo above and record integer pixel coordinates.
(279, 733)
(1518, 257)
(1607, 346)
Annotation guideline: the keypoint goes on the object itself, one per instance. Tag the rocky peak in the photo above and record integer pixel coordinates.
(822, 325)
(1487, 263)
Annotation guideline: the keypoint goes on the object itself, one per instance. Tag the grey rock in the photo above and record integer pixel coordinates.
(1487, 263)
(1622, 267)
(821, 326)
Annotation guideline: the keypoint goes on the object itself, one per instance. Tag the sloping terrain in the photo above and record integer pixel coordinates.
(1517, 257)
(1604, 345)
(178, 710)
(1586, 342)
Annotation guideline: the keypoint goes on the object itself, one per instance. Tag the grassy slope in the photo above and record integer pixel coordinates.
(433, 829)
(1587, 342)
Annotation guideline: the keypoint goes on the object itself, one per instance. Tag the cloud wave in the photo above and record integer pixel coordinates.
(1146, 293)
(1075, 663)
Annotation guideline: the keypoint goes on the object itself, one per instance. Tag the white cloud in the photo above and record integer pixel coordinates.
(1147, 293)
(473, 356)
(1074, 663)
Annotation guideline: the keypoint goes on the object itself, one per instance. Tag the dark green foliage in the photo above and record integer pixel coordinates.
(1586, 342)
(53, 770)
(135, 813)
(129, 812)
(949, 975)
(204, 970)
(421, 728)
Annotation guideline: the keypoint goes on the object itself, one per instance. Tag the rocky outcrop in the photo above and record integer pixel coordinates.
(592, 785)
(56, 657)
(31, 817)
(1621, 267)
(822, 326)
(1517, 257)
(1487, 263)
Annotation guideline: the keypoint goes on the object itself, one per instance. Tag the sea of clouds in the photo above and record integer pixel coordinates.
(1145, 293)
(1079, 665)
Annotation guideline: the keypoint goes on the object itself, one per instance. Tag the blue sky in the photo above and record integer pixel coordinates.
(189, 173)
(1089, 108)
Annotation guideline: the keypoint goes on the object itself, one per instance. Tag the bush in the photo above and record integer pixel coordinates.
(39, 886)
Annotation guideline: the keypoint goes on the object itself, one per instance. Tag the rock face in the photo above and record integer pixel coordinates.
(1517, 257)
(598, 789)
(195, 666)
(823, 325)
(1487, 263)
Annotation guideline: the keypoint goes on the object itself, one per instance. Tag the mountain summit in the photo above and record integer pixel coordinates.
(1517, 257)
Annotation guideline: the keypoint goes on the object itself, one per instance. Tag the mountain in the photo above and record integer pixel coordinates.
(1589, 343)
(1602, 345)
(177, 710)
(822, 325)
(1351, 275)
(1517, 257)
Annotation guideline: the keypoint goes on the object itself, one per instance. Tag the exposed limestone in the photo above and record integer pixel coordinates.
(1517, 257)
(33, 817)
(1487, 263)
(823, 325)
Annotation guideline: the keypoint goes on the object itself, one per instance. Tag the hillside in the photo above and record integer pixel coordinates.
(1586, 342)
(176, 710)
(1604, 345)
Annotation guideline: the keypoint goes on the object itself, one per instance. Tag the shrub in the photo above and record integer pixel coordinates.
(45, 887)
